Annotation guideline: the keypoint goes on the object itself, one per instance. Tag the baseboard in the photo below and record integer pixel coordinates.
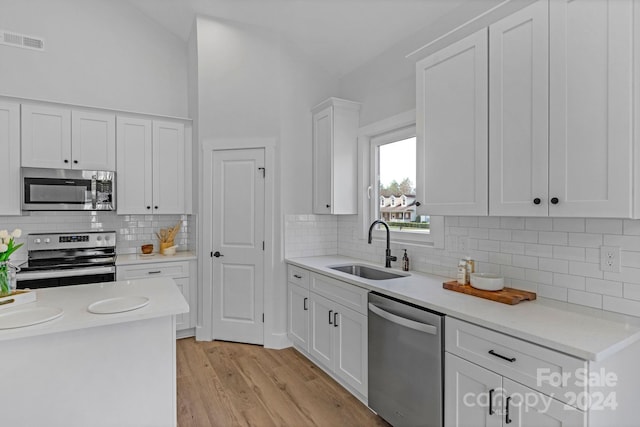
(186, 333)
(277, 341)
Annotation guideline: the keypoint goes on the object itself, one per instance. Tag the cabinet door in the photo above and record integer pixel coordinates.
(590, 107)
(10, 158)
(46, 137)
(528, 408)
(133, 167)
(182, 320)
(322, 153)
(93, 140)
(351, 348)
(519, 108)
(298, 319)
(452, 129)
(468, 389)
(168, 167)
(321, 343)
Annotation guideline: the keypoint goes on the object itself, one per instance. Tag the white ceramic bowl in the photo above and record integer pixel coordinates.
(487, 282)
(170, 250)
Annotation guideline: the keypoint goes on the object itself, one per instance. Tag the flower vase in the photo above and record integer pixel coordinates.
(7, 279)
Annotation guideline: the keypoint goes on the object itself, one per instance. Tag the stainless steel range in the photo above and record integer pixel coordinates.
(62, 259)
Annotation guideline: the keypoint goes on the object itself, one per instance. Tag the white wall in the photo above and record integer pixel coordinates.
(97, 52)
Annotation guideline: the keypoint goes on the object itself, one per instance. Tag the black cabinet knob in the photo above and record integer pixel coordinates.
(148, 207)
(536, 201)
(418, 203)
(155, 207)
(554, 200)
(328, 206)
(75, 162)
(66, 161)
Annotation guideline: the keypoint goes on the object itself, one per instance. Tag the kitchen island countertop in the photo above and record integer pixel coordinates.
(583, 332)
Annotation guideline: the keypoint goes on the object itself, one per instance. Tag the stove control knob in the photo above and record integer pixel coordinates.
(99, 238)
(107, 238)
(47, 240)
(36, 241)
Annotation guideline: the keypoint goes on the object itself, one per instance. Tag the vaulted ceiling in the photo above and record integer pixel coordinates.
(339, 34)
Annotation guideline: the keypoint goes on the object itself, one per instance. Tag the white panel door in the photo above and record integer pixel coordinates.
(298, 315)
(321, 342)
(10, 158)
(133, 167)
(351, 362)
(468, 390)
(452, 129)
(590, 108)
(322, 153)
(238, 245)
(528, 408)
(46, 137)
(93, 140)
(519, 109)
(168, 168)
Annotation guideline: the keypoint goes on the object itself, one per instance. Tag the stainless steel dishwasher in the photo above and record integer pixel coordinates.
(405, 362)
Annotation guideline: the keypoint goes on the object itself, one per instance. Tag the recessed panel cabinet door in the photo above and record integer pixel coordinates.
(321, 343)
(451, 127)
(590, 108)
(46, 137)
(133, 175)
(10, 158)
(351, 348)
(168, 168)
(322, 147)
(519, 109)
(298, 300)
(93, 141)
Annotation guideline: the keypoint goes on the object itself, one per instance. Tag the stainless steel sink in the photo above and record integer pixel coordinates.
(367, 272)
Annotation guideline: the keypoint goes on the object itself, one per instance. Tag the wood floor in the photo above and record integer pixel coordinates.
(229, 384)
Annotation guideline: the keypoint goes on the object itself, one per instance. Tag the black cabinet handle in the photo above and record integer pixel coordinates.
(154, 272)
(508, 359)
(554, 200)
(304, 304)
(330, 312)
(536, 201)
(507, 420)
(328, 206)
(297, 276)
(491, 411)
(335, 319)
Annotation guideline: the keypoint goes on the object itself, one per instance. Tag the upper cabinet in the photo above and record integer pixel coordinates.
(57, 137)
(451, 129)
(10, 157)
(335, 153)
(151, 166)
(560, 115)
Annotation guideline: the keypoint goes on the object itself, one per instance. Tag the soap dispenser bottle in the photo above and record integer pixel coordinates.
(405, 261)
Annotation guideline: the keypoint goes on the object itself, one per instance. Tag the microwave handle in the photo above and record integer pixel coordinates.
(94, 195)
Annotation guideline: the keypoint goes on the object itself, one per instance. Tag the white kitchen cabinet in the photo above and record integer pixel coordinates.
(179, 271)
(298, 316)
(335, 150)
(62, 138)
(519, 110)
(571, 154)
(451, 128)
(10, 157)
(150, 168)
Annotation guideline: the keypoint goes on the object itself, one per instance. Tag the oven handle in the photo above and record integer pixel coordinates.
(94, 194)
(423, 327)
(52, 274)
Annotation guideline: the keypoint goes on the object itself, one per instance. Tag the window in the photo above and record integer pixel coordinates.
(391, 196)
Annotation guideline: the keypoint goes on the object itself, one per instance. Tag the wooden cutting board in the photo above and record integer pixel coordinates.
(509, 296)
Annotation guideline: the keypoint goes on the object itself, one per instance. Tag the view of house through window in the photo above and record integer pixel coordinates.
(396, 186)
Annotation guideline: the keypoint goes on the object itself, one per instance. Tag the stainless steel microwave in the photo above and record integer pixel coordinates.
(68, 190)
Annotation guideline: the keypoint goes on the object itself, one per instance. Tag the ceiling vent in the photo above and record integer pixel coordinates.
(9, 38)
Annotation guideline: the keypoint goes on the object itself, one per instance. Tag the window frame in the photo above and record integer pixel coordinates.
(369, 138)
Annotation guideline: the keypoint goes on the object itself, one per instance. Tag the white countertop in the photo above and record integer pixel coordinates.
(575, 330)
(129, 259)
(165, 299)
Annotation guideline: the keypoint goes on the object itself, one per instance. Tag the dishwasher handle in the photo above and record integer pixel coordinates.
(412, 324)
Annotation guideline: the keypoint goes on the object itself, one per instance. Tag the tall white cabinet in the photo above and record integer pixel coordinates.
(151, 166)
(10, 157)
(335, 156)
(451, 128)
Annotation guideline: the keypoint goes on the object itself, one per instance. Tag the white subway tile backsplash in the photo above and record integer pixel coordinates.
(569, 253)
(554, 265)
(525, 261)
(544, 277)
(585, 240)
(553, 237)
(489, 222)
(592, 255)
(512, 223)
(604, 287)
(576, 225)
(512, 248)
(539, 224)
(630, 259)
(499, 234)
(478, 233)
(524, 236)
(568, 281)
(553, 292)
(489, 245)
(604, 226)
(468, 221)
(538, 250)
(578, 268)
(631, 227)
(631, 291)
(627, 274)
(498, 258)
(584, 298)
(620, 305)
(626, 243)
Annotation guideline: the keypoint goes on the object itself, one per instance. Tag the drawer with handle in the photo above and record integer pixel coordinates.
(299, 276)
(548, 371)
(145, 271)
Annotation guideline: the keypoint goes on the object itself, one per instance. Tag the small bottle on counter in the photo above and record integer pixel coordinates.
(405, 261)
(471, 268)
(462, 272)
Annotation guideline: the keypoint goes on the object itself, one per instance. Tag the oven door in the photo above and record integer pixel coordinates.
(64, 277)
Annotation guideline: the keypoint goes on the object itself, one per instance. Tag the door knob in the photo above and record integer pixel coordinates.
(217, 254)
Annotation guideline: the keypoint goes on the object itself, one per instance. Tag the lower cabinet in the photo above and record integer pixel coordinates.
(180, 271)
(331, 334)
